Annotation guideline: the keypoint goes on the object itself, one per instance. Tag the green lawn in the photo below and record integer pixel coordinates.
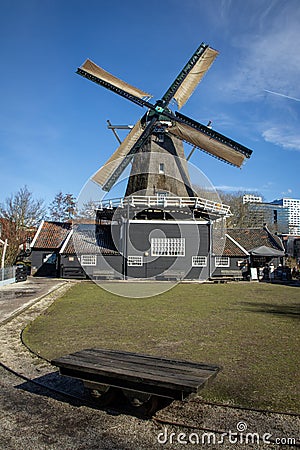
(251, 329)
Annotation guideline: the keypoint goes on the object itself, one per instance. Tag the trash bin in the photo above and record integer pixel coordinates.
(21, 273)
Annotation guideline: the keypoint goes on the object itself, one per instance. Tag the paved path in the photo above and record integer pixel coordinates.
(17, 296)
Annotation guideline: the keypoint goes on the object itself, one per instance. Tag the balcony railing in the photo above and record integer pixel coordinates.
(153, 201)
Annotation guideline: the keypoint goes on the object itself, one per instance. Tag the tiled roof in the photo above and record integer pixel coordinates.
(250, 238)
(232, 249)
(223, 245)
(238, 239)
(86, 239)
(51, 235)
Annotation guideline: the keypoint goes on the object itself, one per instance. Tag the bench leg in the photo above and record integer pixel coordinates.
(152, 405)
(149, 403)
(105, 395)
(109, 397)
(155, 403)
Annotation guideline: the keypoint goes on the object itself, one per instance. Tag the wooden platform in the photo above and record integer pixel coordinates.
(146, 374)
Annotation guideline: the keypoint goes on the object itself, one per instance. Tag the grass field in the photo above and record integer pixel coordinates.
(250, 329)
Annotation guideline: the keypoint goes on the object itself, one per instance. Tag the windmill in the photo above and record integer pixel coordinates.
(157, 138)
(161, 229)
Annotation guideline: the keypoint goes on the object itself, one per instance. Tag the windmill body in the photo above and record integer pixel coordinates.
(160, 168)
(156, 226)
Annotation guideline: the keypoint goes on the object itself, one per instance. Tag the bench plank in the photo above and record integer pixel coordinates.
(141, 363)
(149, 360)
(143, 373)
(137, 366)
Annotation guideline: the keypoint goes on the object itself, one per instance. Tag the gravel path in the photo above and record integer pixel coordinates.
(32, 417)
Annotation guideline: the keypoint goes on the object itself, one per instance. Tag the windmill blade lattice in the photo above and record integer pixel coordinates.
(190, 76)
(134, 141)
(160, 119)
(210, 141)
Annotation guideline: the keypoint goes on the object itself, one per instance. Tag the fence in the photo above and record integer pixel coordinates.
(7, 275)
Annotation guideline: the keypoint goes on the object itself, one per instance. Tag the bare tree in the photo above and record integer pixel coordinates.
(242, 213)
(20, 214)
(63, 207)
(88, 210)
(22, 209)
(206, 192)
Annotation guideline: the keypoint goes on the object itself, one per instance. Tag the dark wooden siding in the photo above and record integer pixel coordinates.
(232, 271)
(196, 243)
(40, 268)
(108, 266)
(70, 267)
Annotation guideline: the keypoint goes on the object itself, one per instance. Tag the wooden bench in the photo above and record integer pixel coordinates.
(138, 376)
(102, 274)
(237, 274)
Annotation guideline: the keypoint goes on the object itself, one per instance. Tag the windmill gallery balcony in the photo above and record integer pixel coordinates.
(174, 204)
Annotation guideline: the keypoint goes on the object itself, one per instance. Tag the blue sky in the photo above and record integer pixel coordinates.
(53, 133)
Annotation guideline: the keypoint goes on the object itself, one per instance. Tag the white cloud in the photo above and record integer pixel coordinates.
(283, 137)
(287, 193)
(236, 188)
(269, 58)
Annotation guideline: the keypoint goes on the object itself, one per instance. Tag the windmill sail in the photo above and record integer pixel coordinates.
(182, 127)
(106, 171)
(195, 75)
(211, 142)
(100, 73)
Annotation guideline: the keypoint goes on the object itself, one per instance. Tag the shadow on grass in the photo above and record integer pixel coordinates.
(291, 311)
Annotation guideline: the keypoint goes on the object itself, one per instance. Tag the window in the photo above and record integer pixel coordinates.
(199, 261)
(71, 258)
(222, 261)
(167, 247)
(161, 168)
(162, 194)
(133, 261)
(88, 260)
(49, 258)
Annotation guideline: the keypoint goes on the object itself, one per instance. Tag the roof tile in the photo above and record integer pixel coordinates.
(250, 238)
(52, 235)
(91, 239)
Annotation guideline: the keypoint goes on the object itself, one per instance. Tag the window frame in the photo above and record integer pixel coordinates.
(93, 260)
(132, 261)
(204, 264)
(163, 247)
(161, 168)
(219, 264)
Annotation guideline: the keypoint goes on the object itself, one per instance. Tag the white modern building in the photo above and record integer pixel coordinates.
(293, 206)
(250, 198)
